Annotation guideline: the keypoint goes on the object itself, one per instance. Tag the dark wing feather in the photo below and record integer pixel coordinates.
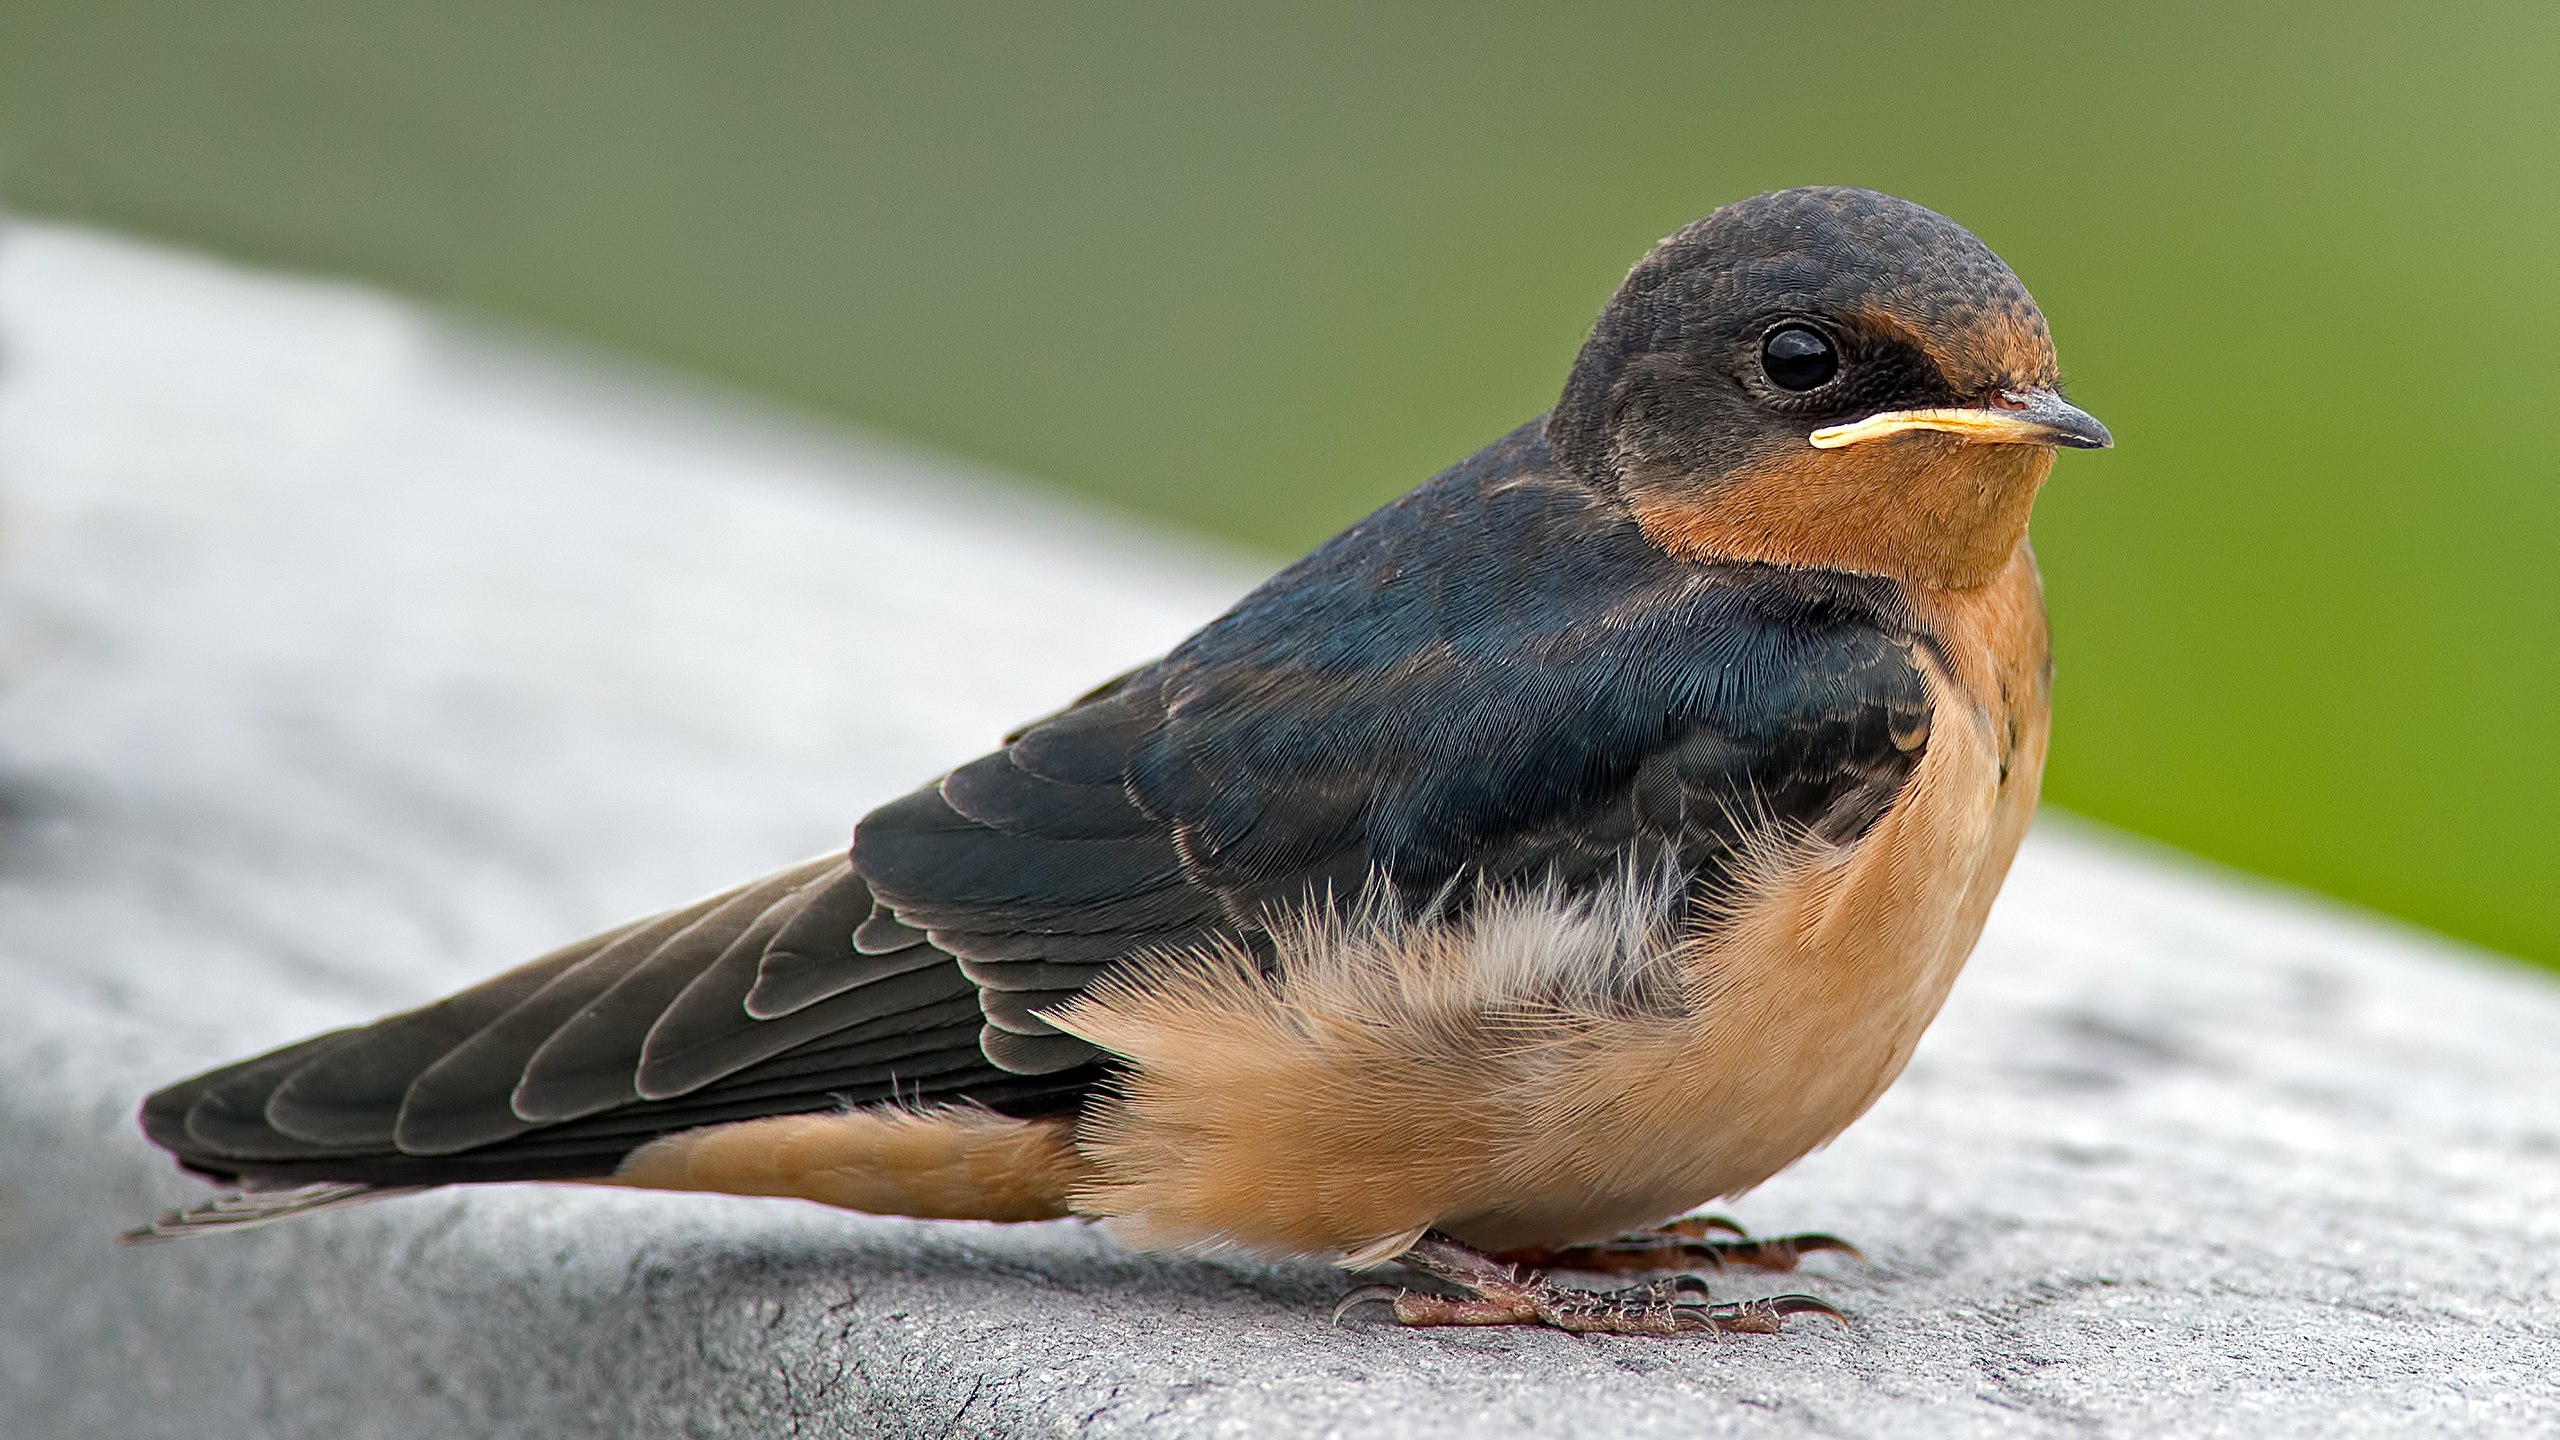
(806, 962)
(559, 1068)
(586, 1065)
(465, 1098)
(351, 1095)
(228, 1113)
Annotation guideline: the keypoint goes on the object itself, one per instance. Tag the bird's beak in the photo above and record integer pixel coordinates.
(2013, 417)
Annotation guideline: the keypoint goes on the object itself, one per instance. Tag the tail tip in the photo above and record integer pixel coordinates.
(250, 1209)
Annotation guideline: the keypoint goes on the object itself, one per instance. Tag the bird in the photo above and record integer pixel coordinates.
(1577, 840)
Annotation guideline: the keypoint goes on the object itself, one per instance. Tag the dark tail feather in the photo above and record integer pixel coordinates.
(250, 1209)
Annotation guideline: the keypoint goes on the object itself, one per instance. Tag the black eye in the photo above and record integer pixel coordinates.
(1796, 358)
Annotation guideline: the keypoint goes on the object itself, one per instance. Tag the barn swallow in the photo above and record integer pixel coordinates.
(1583, 837)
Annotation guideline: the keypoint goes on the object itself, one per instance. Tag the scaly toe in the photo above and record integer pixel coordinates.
(1498, 1293)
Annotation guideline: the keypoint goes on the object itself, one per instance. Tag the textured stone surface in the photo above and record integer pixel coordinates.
(343, 659)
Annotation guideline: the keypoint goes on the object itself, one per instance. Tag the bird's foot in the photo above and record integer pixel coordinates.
(1498, 1293)
(1689, 1243)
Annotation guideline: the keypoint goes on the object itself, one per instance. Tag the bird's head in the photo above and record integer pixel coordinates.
(1824, 377)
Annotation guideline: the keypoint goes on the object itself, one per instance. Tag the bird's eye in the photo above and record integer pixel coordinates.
(1795, 358)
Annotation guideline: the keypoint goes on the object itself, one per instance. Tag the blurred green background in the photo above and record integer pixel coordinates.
(1255, 269)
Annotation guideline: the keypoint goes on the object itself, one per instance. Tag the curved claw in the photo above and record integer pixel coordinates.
(1784, 1305)
(1364, 1295)
(1700, 1227)
(1686, 1286)
(1815, 1241)
(1778, 1252)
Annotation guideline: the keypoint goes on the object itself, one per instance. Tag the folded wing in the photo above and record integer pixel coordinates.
(1494, 681)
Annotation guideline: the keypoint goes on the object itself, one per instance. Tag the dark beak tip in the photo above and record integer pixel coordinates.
(2069, 425)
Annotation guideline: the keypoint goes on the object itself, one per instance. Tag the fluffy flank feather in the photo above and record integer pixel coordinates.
(1390, 1065)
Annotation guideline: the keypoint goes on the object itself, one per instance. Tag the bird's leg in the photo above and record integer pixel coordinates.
(1498, 1293)
(1691, 1242)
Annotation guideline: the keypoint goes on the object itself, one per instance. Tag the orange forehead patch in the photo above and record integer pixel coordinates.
(1978, 344)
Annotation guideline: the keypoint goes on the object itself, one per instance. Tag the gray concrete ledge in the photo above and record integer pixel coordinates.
(343, 659)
